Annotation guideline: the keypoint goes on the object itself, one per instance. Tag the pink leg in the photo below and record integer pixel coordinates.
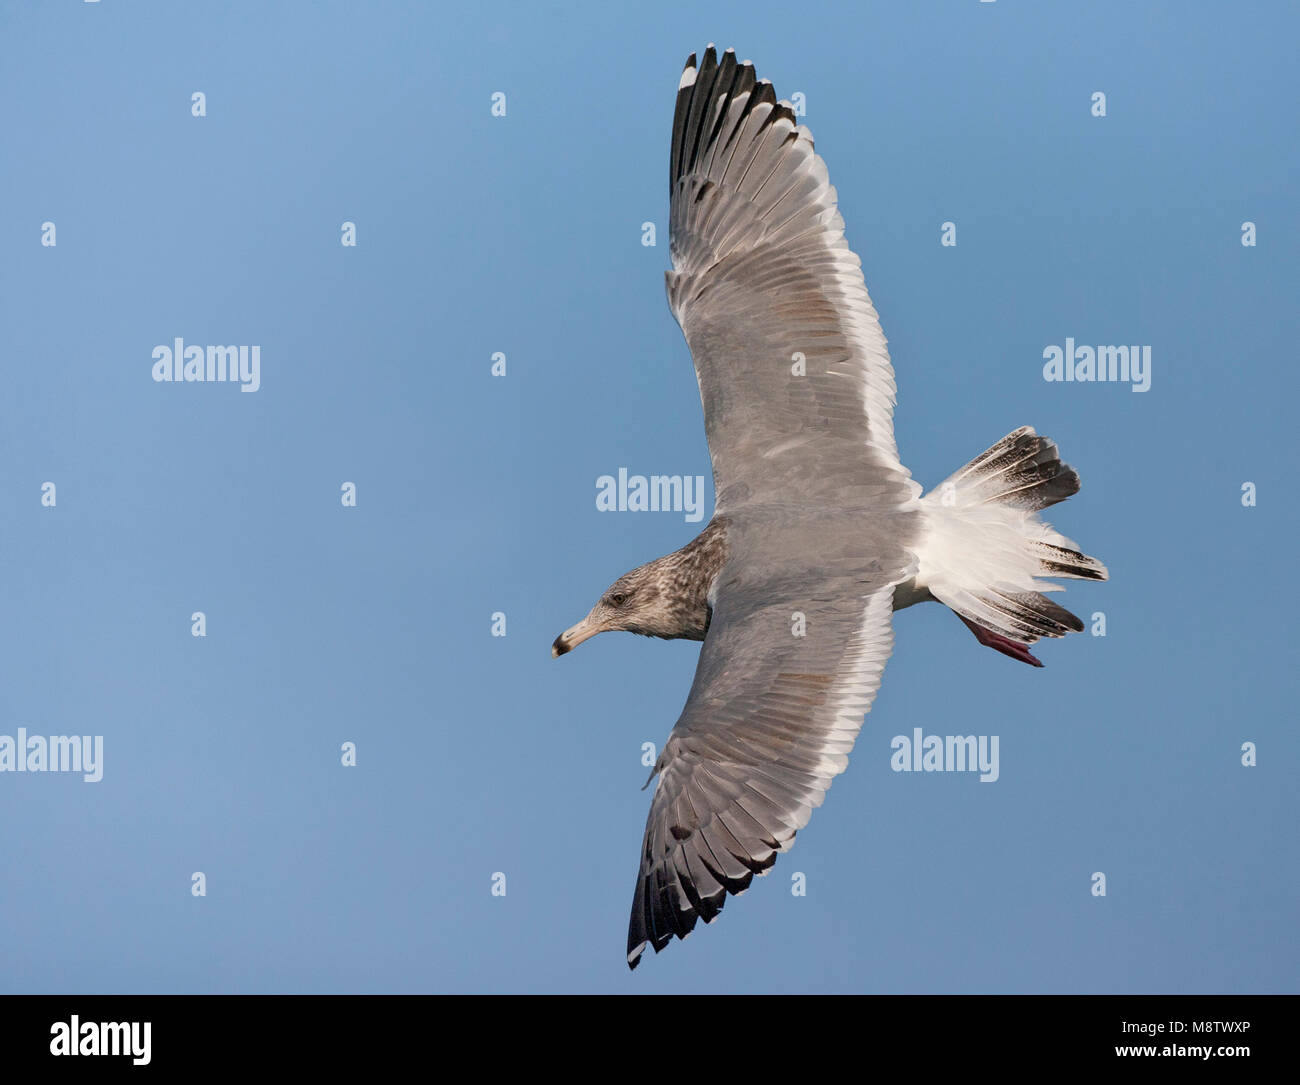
(1005, 645)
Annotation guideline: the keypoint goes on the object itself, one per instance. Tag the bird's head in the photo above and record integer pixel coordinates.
(632, 603)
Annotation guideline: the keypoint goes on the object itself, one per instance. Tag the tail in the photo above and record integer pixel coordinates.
(984, 545)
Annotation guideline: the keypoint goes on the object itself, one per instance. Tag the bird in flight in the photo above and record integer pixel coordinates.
(819, 533)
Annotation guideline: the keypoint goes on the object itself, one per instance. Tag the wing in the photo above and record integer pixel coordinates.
(794, 373)
(770, 720)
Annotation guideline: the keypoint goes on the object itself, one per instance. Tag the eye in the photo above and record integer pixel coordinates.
(618, 598)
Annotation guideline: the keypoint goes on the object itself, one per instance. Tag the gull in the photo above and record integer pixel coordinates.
(819, 532)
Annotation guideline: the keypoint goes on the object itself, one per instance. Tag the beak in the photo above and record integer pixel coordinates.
(571, 638)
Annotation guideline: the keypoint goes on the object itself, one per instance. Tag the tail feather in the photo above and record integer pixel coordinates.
(1022, 470)
(1047, 619)
(986, 548)
(1066, 561)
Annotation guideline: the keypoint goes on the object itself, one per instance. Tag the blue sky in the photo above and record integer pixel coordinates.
(522, 235)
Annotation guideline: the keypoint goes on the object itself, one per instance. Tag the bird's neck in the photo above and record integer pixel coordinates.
(686, 577)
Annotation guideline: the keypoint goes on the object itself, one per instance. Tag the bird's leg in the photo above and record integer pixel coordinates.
(1005, 645)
